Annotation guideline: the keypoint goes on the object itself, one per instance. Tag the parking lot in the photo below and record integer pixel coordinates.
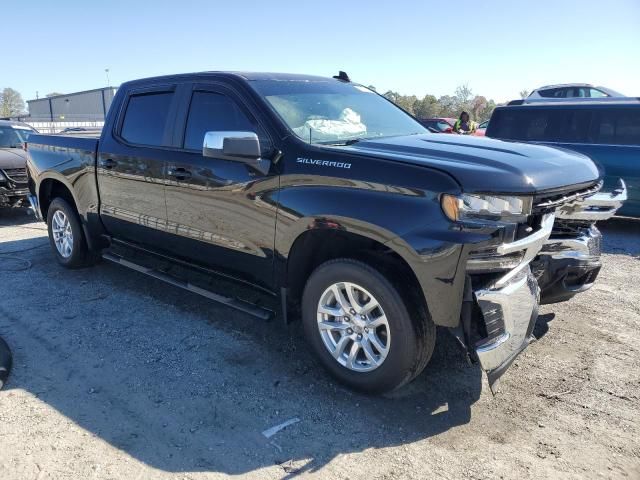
(120, 376)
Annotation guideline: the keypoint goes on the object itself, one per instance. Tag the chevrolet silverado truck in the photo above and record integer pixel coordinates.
(318, 199)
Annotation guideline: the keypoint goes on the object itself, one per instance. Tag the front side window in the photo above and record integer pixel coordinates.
(330, 112)
(145, 119)
(213, 112)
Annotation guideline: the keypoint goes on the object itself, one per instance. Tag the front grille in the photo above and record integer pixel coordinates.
(546, 203)
(17, 175)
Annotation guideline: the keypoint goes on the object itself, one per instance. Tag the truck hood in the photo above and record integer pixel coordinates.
(12, 158)
(483, 164)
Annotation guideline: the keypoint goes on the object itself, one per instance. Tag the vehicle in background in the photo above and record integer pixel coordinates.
(81, 131)
(332, 201)
(13, 160)
(609, 133)
(572, 90)
(481, 130)
(438, 125)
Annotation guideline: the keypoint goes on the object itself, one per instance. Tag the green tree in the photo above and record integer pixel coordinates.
(11, 103)
(427, 107)
(405, 102)
(53, 94)
(448, 106)
(524, 93)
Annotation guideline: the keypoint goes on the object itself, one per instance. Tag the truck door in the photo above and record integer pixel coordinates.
(221, 213)
(131, 166)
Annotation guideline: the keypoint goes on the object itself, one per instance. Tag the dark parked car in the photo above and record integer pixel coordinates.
(324, 195)
(609, 133)
(13, 159)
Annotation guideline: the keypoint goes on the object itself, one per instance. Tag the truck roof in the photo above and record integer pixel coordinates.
(247, 76)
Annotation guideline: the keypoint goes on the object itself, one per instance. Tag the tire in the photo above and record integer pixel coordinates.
(408, 335)
(77, 254)
(5, 362)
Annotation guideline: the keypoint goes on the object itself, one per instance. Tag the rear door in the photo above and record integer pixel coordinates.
(221, 213)
(131, 166)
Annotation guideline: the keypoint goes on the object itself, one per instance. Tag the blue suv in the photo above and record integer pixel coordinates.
(608, 132)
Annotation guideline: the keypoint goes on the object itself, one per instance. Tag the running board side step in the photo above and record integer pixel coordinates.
(237, 304)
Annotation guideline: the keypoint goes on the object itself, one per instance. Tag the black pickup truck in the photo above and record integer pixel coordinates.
(320, 194)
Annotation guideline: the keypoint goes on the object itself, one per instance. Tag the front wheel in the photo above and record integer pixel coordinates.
(361, 329)
(66, 235)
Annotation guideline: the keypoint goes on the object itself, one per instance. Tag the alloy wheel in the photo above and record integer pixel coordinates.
(353, 327)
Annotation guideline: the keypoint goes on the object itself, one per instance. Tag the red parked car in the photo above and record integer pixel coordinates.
(481, 129)
(439, 125)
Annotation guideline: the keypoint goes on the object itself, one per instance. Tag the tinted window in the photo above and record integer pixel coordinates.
(574, 128)
(528, 124)
(553, 93)
(146, 118)
(618, 126)
(213, 112)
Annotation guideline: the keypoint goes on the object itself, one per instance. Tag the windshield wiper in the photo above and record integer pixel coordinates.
(342, 143)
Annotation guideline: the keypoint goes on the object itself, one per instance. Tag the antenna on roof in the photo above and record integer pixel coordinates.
(342, 76)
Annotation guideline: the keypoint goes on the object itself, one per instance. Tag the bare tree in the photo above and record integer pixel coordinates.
(11, 103)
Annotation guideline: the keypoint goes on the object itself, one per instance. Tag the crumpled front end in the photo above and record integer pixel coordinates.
(549, 258)
(13, 186)
(570, 259)
(501, 302)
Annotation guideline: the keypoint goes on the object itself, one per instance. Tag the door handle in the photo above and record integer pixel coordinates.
(179, 173)
(108, 163)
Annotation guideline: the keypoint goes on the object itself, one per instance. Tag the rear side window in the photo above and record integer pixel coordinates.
(617, 126)
(146, 118)
(527, 124)
(575, 127)
(211, 112)
(553, 93)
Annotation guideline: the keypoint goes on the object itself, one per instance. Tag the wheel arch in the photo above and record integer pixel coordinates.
(51, 187)
(329, 241)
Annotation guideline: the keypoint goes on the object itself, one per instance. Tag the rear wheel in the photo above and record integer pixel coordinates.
(361, 329)
(66, 235)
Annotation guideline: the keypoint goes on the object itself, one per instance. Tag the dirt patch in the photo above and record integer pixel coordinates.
(118, 376)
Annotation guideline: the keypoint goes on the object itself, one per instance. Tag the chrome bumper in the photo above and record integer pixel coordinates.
(509, 306)
(587, 245)
(600, 206)
(510, 314)
(35, 206)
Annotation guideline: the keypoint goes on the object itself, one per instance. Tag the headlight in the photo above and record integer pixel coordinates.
(474, 207)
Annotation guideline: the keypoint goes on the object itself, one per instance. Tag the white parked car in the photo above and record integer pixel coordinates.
(572, 90)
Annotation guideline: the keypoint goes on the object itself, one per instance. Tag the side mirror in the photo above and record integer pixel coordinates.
(236, 146)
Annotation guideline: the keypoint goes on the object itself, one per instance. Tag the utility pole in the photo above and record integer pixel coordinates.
(106, 71)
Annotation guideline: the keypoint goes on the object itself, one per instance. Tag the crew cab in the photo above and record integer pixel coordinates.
(318, 199)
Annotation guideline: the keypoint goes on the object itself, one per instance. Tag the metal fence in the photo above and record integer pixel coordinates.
(57, 127)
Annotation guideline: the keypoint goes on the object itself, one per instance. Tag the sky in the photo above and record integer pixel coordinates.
(496, 47)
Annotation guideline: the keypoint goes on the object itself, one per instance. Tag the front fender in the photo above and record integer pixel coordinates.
(409, 221)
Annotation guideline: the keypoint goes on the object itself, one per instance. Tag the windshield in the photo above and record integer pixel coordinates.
(11, 137)
(331, 112)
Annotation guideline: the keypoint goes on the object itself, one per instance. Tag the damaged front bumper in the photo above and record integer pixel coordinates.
(509, 314)
(501, 308)
(570, 259)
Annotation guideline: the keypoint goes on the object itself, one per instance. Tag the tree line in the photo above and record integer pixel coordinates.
(463, 100)
(478, 107)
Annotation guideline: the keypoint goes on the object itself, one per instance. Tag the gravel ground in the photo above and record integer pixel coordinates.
(120, 376)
